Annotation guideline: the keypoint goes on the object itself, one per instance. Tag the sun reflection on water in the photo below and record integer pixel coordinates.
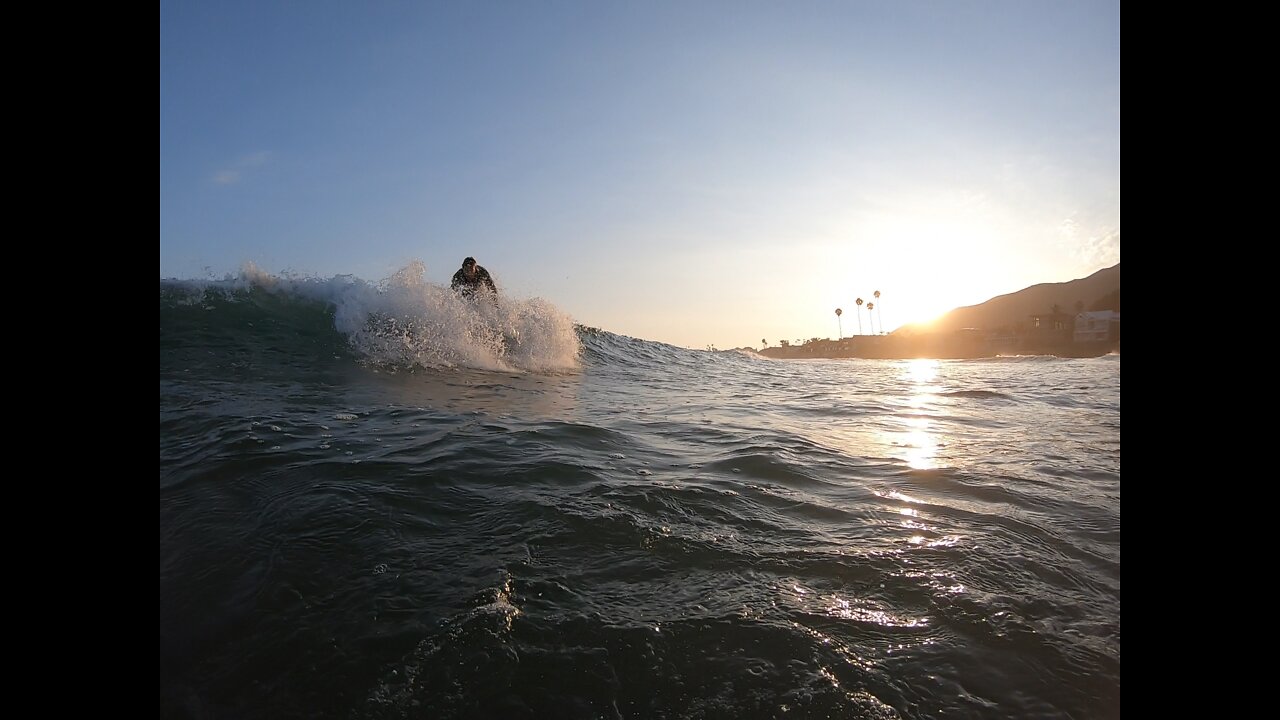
(921, 445)
(922, 371)
(917, 439)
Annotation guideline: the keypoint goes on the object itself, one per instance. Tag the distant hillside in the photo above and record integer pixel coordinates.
(1099, 291)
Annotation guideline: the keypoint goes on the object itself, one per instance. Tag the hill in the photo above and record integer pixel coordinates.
(1099, 291)
(1002, 325)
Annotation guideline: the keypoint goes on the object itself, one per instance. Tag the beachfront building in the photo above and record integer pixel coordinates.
(1053, 326)
(1097, 326)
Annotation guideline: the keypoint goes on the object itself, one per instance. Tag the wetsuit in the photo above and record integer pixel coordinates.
(467, 286)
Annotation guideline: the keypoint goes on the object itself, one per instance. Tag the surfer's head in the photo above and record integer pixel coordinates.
(469, 265)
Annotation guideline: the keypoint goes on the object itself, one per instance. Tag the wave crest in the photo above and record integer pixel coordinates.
(403, 321)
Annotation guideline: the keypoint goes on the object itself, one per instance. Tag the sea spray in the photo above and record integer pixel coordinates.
(405, 321)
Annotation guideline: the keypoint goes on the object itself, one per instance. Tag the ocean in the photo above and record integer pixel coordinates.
(380, 501)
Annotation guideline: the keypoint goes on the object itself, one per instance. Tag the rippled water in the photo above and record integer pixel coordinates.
(650, 532)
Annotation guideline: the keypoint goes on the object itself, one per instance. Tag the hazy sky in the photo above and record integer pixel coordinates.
(691, 172)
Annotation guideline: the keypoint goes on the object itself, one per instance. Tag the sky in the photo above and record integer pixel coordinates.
(700, 173)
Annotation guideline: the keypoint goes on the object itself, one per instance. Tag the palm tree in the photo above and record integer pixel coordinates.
(1055, 312)
(881, 318)
(859, 301)
(764, 343)
(870, 307)
(839, 327)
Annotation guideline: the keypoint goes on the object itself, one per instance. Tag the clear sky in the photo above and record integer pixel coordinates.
(694, 172)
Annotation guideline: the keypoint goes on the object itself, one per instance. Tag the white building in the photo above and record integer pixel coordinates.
(1095, 326)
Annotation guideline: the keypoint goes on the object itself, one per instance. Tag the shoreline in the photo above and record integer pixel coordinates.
(957, 346)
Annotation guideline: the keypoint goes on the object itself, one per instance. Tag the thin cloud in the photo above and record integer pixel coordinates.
(1093, 247)
(1102, 249)
(254, 160)
(233, 174)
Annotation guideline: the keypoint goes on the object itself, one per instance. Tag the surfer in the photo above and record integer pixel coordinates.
(471, 277)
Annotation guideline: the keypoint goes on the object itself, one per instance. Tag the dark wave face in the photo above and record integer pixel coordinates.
(379, 501)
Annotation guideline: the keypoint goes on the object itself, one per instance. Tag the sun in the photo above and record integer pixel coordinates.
(927, 264)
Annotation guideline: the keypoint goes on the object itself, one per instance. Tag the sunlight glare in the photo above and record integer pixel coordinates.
(922, 371)
(921, 445)
(930, 254)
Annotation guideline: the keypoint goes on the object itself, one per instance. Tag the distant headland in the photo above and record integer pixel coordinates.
(1078, 318)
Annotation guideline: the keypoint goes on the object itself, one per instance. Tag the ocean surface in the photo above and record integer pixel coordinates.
(380, 501)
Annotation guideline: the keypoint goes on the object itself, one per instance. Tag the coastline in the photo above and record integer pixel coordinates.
(939, 346)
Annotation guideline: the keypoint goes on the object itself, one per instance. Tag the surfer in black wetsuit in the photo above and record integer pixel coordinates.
(471, 277)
